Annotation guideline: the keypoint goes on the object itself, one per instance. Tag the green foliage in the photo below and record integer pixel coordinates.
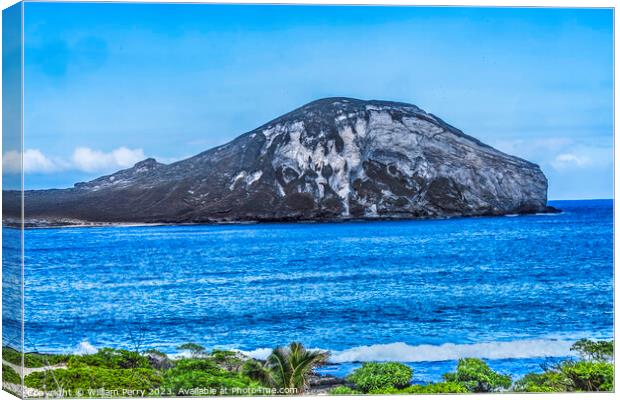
(570, 376)
(93, 378)
(110, 358)
(548, 381)
(198, 380)
(195, 350)
(9, 375)
(32, 360)
(475, 375)
(108, 368)
(11, 355)
(197, 364)
(36, 360)
(223, 355)
(229, 360)
(189, 374)
(594, 350)
(289, 367)
(431, 388)
(589, 376)
(441, 387)
(375, 376)
(155, 352)
(343, 390)
(255, 370)
(593, 373)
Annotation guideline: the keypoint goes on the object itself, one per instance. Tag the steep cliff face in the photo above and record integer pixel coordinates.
(332, 159)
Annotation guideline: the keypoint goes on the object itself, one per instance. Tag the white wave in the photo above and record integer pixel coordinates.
(264, 352)
(84, 348)
(403, 352)
(259, 354)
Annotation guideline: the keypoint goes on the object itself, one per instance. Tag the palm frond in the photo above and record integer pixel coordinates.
(291, 366)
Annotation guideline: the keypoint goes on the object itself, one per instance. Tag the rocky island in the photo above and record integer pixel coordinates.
(330, 160)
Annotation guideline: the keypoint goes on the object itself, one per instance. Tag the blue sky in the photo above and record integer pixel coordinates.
(109, 84)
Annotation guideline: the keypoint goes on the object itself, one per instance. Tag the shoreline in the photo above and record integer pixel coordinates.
(283, 221)
(558, 346)
(231, 369)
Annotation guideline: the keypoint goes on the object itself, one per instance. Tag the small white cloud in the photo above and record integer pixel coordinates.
(567, 160)
(89, 160)
(560, 153)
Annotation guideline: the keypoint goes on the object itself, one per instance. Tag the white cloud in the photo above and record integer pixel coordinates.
(34, 161)
(83, 159)
(11, 162)
(567, 160)
(89, 160)
(561, 154)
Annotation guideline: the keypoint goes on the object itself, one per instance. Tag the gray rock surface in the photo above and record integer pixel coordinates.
(332, 159)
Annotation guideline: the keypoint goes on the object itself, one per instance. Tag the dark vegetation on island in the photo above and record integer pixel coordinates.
(333, 159)
(287, 371)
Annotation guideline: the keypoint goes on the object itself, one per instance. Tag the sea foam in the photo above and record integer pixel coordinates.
(84, 348)
(403, 352)
(449, 351)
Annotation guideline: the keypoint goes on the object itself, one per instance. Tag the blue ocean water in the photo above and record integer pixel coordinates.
(514, 290)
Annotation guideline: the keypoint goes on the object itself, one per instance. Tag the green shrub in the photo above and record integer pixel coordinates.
(374, 376)
(476, 376)
(203, 373)
(110, 358)
(224, 355)
(256, 371)
(229, 360)
(548, 381)
(385, 390)
(431, 388)
(32, 360)
(195, 350)
(155, 352)
(441, 387)
(9, 375)
(181, 382)
(197, 364)
(85, 378)
(592, 374)
(11, 355)
(343, 390)
(589, 376)
(36, 360)
(594, 350)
